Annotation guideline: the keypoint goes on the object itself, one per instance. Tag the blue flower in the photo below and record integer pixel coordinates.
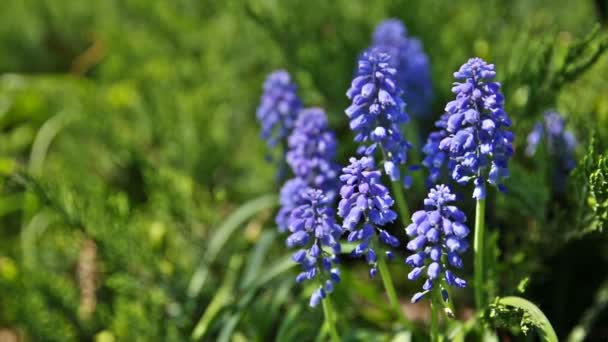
(278, 108)
(477, 144)
(412, 64)
(534, 139)
(290, 198)
(312, 149)
(561, 146)
(434, 158)
(365, 206)
(312, 227)
(439, 237)
(377, 110)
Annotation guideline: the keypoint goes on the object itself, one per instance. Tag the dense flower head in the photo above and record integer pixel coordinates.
(434, 158)
(290, 198)
(439, 237)
(377, 110)
(477, 144)
(312, 149)
(560, 143)
(278, 108)
(365, 206)
(312, 227)
(412, 64)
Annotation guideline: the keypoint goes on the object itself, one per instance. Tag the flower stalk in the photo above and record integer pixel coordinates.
(404, 211)
(387, 280)
(330, 320)
(478, 247)
(434, 319)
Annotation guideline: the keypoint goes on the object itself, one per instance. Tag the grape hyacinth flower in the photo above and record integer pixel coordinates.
(477, 144)
(434, 157)
(439, 237)
(278, 108)
(289, 199)
(561, 145)
(410, 61)
(312, 150)
(312, 226)
(377, 111)
(365, 206)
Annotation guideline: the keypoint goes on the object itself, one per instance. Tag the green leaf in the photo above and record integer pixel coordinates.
(30, 234)
(222, 298)
(229, 327)
(529, 315)
(256, 257)
(289, 325)
(267, 275)
(42, 142)
(221, 236)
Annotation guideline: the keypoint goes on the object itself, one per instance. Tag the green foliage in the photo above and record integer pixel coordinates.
(128, 134)
(514, 311)
(592, 183)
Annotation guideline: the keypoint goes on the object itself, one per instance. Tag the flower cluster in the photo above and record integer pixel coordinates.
(561, 145)
(412, 64)
(476, 142)
(365, 206)
(377, 110)
(434, 157)
(279, 107)
(290, 198)
(438, 239)
(312, 149)
(306, 201)
(312, 226)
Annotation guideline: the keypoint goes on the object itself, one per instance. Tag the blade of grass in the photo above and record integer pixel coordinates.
(30, 234)
(44, 137)
(542, 325)
(267, 275)
(229, 327)
(221, 236)
(289, 324)
(222, 298)
(256, 257)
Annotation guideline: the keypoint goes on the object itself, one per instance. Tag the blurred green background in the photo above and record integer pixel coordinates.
(128, 145)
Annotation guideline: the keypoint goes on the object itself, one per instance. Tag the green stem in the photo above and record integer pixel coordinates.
(330, 322)
(404, 211)
(411, 132)
(387, 280)
(478, 248)
(434, 319)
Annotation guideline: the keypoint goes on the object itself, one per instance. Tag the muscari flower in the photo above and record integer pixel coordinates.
(412, 64)
(477, 144)
(434, 157)
(312, 226)
(377, 111)
(561, 145)
(438, 239)
(290, 198)
(312, 150)
(365, 206)
(278, 108)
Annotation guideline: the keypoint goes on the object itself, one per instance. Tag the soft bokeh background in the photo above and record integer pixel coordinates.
(128, 137)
